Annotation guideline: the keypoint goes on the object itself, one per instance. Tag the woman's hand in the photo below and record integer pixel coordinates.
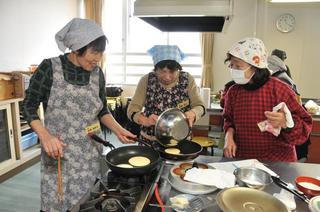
(125, 136)
(230, 147)
(277, 119)
(52, 145)
(148, 121)
(191, 117)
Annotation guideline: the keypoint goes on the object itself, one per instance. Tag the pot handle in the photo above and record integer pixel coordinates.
(101, 141)
(146, 143)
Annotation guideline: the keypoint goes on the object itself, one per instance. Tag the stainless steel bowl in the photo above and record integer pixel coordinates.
(252, 177)
(171, 124)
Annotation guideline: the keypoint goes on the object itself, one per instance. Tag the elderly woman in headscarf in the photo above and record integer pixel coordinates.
(72, 90)
(167, 86)
(262, 118)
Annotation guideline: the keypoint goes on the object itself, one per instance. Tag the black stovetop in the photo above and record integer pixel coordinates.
(119, 193)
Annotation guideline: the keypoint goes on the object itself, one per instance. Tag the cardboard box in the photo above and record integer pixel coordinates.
(11, 85)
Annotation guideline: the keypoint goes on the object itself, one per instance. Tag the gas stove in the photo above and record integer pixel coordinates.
(117, 193)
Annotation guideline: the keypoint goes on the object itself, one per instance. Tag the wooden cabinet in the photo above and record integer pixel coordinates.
(11, 135)
(7, 152)
(314, 147)
(210, 126)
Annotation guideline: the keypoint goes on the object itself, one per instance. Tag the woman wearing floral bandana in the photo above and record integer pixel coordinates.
(251, 101)
(167, 86)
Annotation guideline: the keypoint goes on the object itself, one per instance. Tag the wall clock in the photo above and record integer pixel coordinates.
(285, 23)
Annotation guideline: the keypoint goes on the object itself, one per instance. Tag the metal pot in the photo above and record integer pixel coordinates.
(242, 199)
(171, 124)
(252, 177)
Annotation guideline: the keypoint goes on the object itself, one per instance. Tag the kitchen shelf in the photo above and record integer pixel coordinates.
(19, 128)
(25, 127)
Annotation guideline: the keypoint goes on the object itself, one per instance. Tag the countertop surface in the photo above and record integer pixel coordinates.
(215, 108)
(287, 172)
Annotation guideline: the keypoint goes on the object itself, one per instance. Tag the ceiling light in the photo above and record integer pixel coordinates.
(293, 1)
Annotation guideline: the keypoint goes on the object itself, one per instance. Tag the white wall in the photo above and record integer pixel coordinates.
(257, 18)
(302, 45)
(28, 28)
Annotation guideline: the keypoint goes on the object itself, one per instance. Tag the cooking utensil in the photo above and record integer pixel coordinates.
(289, 187)
(252, 177)
(188, 149)
(242, 199)
(196, 203)
(308, 185)
(201, 202)
(171, 124)
(122, 155)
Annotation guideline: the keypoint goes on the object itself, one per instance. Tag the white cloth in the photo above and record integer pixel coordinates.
(312, 107)
(77, 34)
(287, 112)
(266, 126)
(211, 177)
(232, 165)
(166, 52)
(287, 198)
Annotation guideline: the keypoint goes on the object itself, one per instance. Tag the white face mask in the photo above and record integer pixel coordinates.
(239, 76)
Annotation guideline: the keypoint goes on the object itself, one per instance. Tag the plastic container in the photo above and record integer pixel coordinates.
(29, 140)
(314, 204)
(308, 185)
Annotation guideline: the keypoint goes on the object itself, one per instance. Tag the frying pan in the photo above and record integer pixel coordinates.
(123, 154)
(188, 149)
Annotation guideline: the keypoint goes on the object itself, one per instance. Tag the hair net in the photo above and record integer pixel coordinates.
(166, 52)
(77, 34)
(280, 53)
(276, 64)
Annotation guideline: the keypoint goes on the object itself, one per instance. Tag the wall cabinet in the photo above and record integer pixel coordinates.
(12, 153)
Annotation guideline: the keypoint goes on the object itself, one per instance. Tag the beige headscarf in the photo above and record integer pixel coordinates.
(77, 34)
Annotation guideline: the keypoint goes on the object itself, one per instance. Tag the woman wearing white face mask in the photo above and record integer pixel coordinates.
(251, 100)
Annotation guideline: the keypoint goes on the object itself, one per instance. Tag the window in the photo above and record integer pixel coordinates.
(130, 38)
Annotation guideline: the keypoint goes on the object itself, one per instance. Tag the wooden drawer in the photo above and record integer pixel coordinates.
(200, 131)
(215, 120)
(315, 128)
(314, 150)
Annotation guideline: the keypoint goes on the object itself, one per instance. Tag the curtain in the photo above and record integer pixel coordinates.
(207, 60)
(93, 10)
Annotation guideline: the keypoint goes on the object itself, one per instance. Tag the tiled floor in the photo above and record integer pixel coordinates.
(21, 193)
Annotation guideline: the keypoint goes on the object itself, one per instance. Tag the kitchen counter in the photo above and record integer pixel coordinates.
(287, 171)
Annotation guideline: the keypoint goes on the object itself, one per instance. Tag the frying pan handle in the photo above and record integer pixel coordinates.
(146, 143)
(100, 140)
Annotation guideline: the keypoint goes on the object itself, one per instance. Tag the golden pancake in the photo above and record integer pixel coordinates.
(124, 165)
(139, 161)
(173, 151)
(173, 142)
